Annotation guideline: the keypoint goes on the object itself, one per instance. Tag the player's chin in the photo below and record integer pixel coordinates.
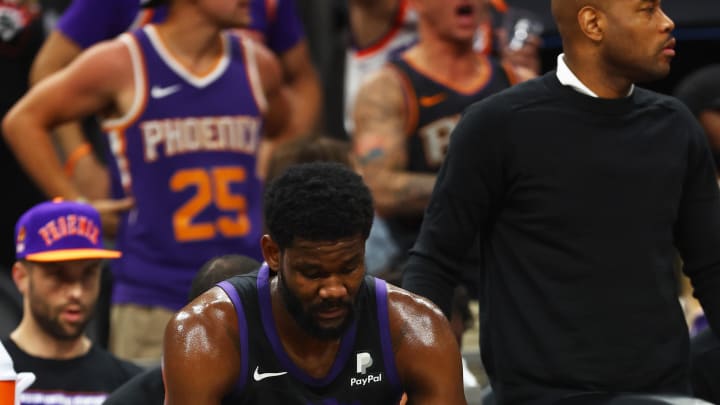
(71, 331)
(660, 70)
(331, 318)
(240, 19)
(463, 36)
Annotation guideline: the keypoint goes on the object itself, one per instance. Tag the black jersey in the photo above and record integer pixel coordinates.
(433, 109)
(364, 370)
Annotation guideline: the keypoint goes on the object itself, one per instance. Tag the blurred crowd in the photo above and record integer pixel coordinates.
(171, 117)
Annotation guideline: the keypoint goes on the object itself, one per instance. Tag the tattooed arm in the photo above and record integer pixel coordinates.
(380, 145)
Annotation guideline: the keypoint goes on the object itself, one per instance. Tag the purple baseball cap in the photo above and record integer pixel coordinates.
(58, 230)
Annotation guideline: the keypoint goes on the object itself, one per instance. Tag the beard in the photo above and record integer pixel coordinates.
(49, 320)
(305, 318)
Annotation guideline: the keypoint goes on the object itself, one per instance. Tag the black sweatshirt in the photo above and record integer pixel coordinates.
(580, 203)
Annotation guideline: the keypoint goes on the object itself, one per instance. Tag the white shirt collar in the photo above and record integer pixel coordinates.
(568, 78)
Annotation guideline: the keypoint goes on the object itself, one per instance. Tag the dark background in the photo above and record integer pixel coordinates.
(697, 31)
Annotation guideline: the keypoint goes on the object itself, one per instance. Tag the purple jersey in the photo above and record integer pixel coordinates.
(186, 151)
(363, 372)
(87, 22)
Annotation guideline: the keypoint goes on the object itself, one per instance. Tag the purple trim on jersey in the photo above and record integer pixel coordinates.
(231, 292)
(346, 344)
(381, 302)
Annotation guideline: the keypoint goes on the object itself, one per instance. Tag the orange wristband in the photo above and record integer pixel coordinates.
(77, 154)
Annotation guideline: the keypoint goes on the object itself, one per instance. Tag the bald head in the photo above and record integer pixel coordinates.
(565, 13)
(615, 43)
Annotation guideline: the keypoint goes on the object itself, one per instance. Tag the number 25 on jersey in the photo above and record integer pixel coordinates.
(212, 188)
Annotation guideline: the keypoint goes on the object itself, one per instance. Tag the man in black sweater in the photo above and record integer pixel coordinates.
(581, 186)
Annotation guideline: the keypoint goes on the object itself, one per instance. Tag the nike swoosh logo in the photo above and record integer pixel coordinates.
(258, 376)
(429, 101)
(161, 92)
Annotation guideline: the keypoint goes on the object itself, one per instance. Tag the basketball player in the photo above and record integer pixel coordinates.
(309, 326)
(404, 114)
(84, 23)
(184, 104)
(396, 21)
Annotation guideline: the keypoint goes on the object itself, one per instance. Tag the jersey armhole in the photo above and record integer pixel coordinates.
(139, 87)
(383, 314)
(232, 293)
(248, 49)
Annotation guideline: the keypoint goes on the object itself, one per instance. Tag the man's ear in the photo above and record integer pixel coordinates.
(591, 22)
(21, 277)
(271, 252)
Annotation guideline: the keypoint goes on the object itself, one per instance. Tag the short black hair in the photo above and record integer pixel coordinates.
(220, 268)
(318, 201)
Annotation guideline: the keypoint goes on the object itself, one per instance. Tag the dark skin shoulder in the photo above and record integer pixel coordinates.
(201, 352)
(426, 352)
(201, 358)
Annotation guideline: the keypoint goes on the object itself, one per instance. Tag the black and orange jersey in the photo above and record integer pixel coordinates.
(433, 108)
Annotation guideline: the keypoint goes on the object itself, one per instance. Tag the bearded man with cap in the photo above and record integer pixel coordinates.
(59, 252)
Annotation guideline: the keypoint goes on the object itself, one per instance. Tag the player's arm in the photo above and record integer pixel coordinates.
(201, 353)
(380, 144)
(278, 105)
(426, 352)
(58, 50)
(271, 78)
(303, 88)
(98, 81)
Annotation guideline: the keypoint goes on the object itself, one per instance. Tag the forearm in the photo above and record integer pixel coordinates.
(400, 192)
(304, 98)
(69, 137)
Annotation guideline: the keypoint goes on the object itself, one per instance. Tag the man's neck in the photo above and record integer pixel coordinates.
(195, 44)
(31, 339)
(448, 62)
(599, 80)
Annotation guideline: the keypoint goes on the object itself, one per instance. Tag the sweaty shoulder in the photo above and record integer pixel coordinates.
(414, 319)
(206, 322)
(201, 354)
